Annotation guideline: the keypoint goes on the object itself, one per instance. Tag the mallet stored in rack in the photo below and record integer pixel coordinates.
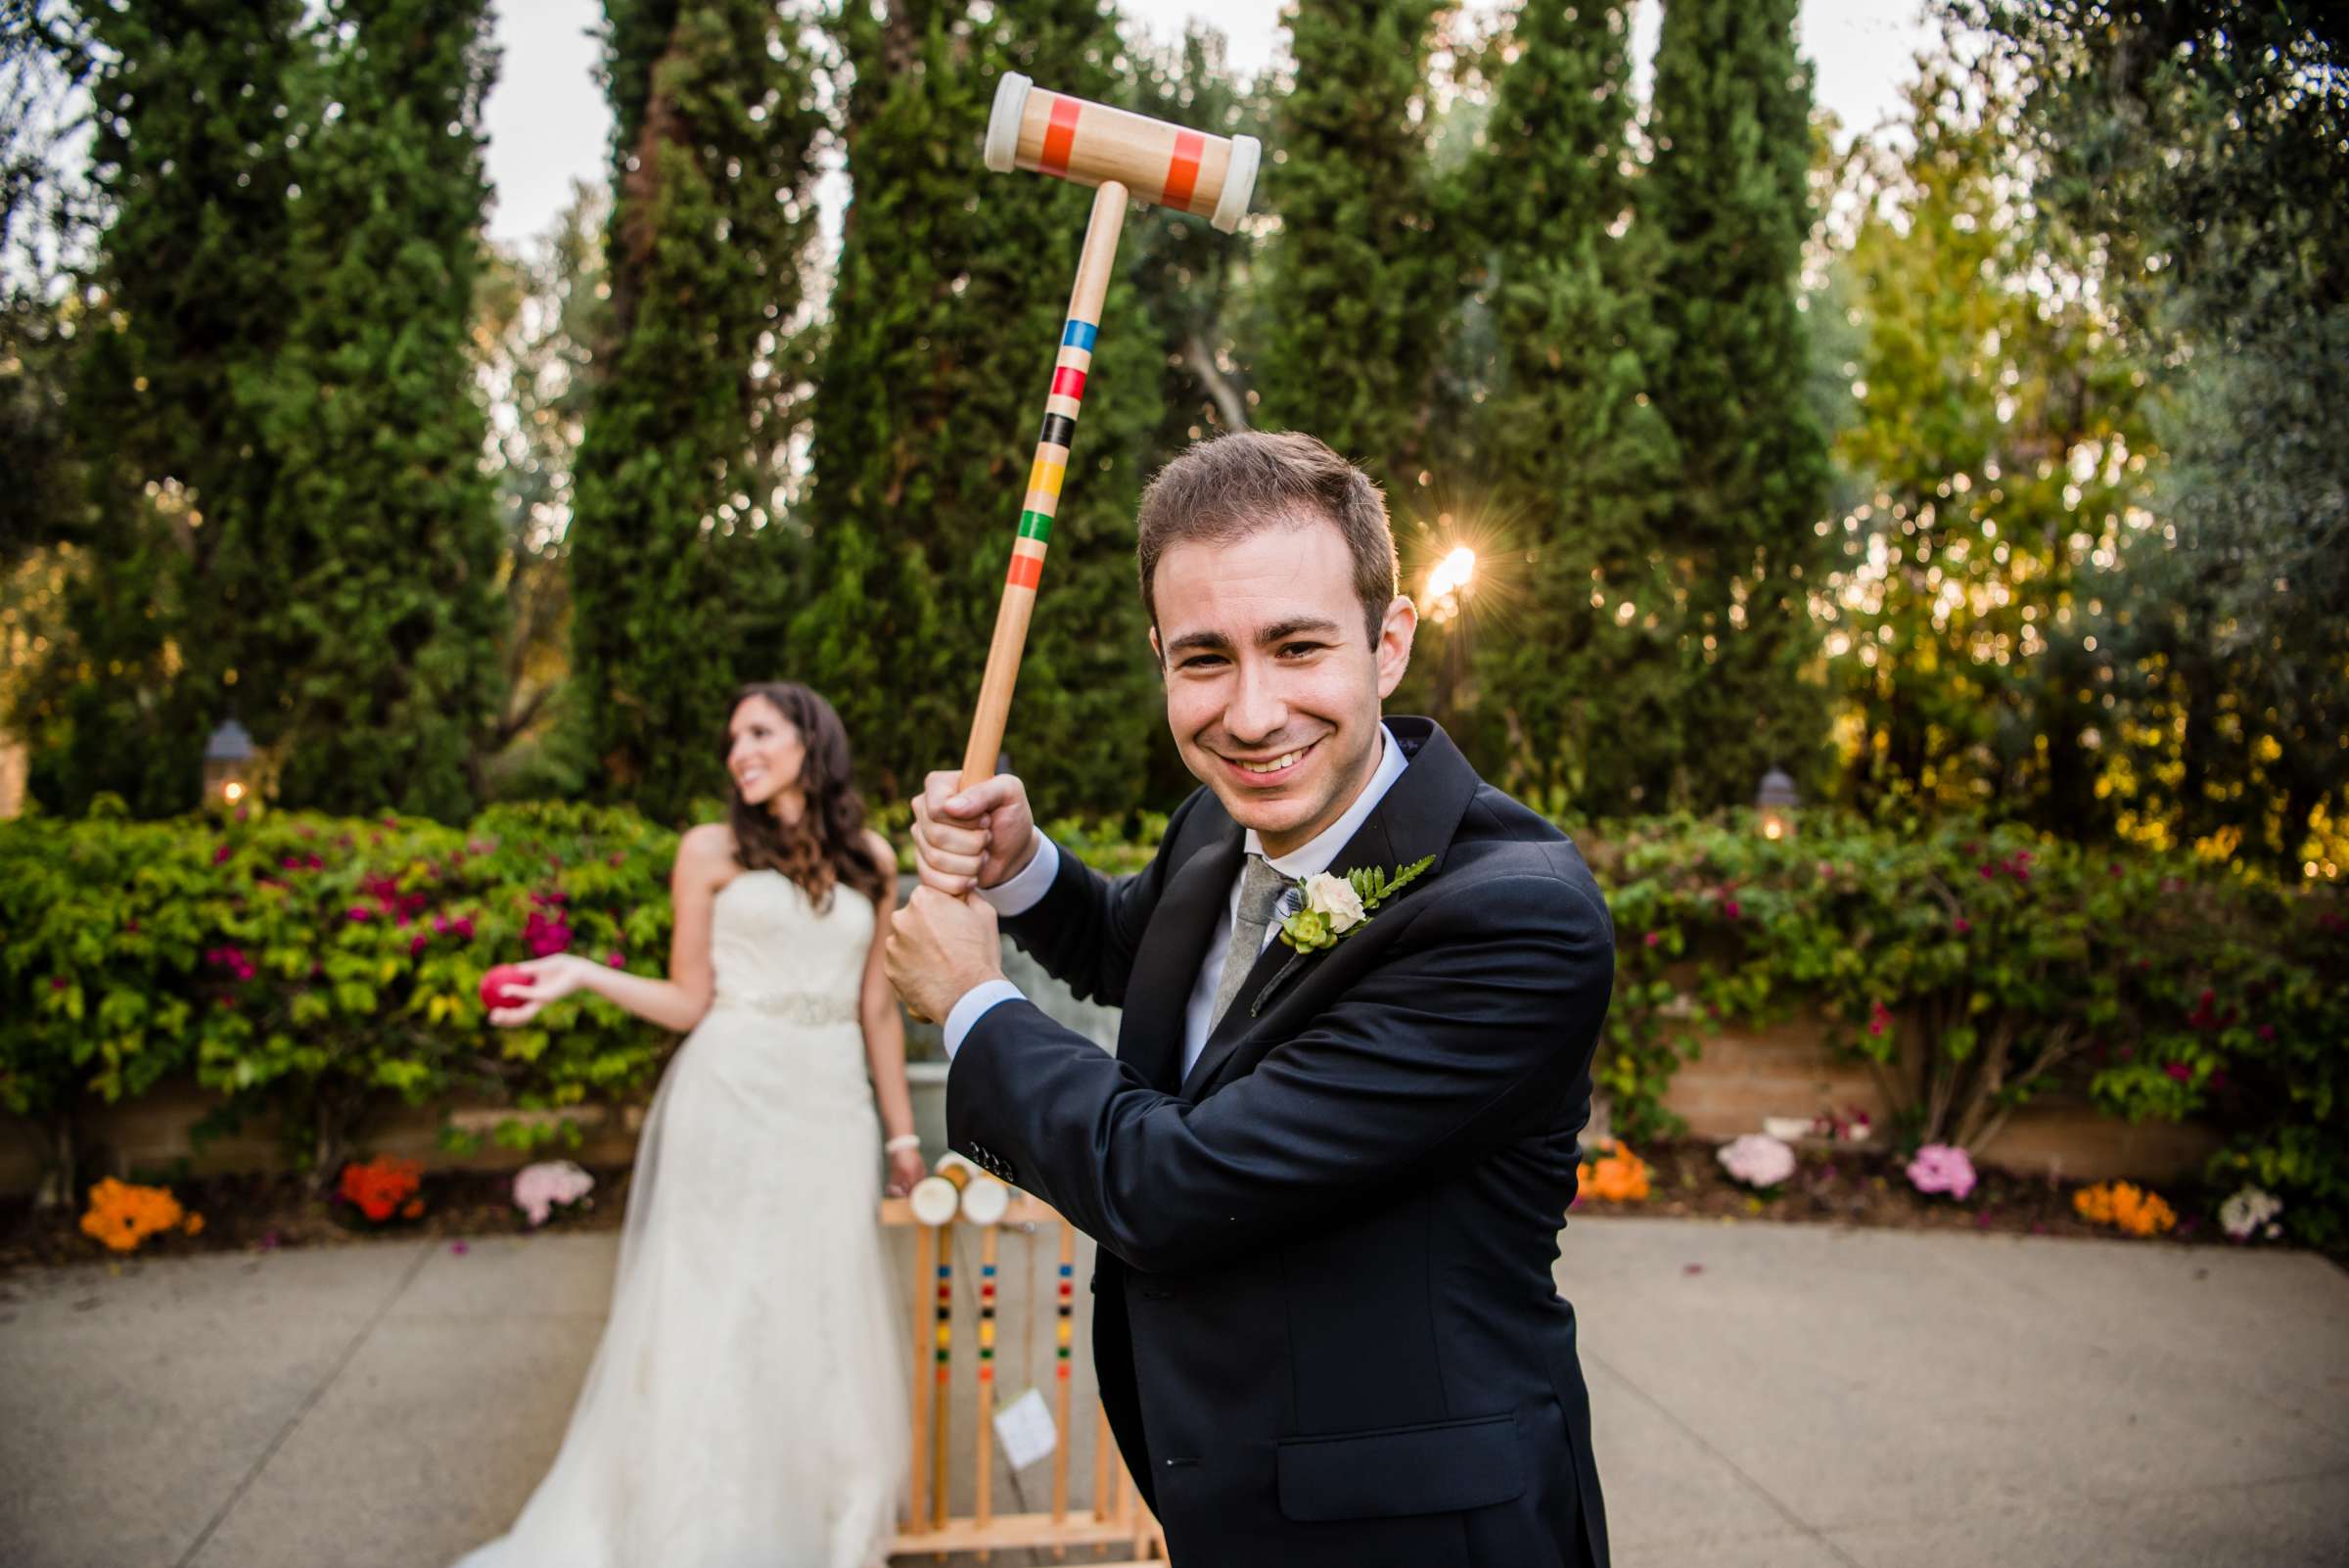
(1128, 157)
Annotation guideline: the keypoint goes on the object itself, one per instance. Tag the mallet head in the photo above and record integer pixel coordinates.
(1091, 144)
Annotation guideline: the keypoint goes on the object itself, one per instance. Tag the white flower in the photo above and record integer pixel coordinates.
(1758, 1160)
(1334, 897)
(2249, 1211)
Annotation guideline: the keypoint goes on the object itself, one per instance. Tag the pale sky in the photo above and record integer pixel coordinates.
(548, 125)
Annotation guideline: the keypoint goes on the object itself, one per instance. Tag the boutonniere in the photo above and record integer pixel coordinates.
(1334, 907)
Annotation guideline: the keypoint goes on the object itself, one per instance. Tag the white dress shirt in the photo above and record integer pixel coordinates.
(1020, 893)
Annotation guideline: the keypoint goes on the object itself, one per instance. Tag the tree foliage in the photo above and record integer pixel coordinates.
(1359, 279)
(680, 574)
(1999, 455)
(946, 315)
(2198, 153)
(1582, 714)
(371, 625)
(1729, 199)
(194, 127)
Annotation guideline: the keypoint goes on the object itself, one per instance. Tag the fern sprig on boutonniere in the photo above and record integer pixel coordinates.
(1335, 907)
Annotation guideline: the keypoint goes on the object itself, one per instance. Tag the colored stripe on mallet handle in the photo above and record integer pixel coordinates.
(1125, 156)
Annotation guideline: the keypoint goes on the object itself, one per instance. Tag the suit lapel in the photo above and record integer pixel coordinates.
(1166, 966)
(1417, 817)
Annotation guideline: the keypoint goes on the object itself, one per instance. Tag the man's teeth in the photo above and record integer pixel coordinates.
(1274, 765)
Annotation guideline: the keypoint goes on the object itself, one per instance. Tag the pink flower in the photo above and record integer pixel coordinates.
(2181, 1072)
(1989, 874)
(463, 926)
(1654, 938)
(418, 944)
(1880, 1017)
(1942, 1168)
(358, 913)
(1757, 1159)
(538, 1189)
(616, 960)
(459, 1248)
(220, 855)
(1729, 909)
(1962, 925)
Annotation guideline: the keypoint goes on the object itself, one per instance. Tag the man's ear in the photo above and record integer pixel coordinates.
(1393, 650)
(1158, 655)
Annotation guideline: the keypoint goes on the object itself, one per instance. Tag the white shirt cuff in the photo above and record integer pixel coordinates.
(1016, 896)
(965, 1014)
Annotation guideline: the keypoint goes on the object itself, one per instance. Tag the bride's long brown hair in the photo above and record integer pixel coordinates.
(826, 846)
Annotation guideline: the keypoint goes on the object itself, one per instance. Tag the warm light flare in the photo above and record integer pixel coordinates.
(1451, 573)
(233, 791)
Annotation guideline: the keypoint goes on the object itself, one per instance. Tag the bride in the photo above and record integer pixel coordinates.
(747, 1406)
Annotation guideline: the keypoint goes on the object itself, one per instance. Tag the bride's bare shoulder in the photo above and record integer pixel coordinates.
(706, 855)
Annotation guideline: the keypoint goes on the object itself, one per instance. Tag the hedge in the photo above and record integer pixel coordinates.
(319, 967)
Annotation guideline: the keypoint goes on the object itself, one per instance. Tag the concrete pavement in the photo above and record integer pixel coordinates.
(1765, 1396)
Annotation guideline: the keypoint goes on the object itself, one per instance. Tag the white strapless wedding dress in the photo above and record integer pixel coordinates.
(747, 1407)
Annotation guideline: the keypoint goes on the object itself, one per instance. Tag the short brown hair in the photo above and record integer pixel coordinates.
(1227, 487)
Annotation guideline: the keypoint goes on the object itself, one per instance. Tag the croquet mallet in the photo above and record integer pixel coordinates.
(1126, 156)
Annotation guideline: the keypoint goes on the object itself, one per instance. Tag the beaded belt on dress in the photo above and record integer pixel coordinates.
(792, 1006)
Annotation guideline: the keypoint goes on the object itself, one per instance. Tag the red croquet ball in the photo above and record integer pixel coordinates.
(493, 986)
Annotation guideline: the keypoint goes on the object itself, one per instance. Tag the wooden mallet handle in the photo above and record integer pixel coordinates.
(1044, 478)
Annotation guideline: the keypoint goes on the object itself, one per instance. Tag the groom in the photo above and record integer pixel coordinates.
(1326, 1183)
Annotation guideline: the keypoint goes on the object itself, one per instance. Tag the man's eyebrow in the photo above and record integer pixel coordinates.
(1278, 631)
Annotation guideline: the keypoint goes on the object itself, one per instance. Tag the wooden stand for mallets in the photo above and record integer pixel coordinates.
(1127, 155)
(1117, 1517)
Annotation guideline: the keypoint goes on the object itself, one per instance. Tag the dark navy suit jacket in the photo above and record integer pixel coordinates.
(1324, 1320)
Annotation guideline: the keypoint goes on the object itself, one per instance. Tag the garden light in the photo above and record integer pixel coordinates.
(228, 764)
(1777, 800)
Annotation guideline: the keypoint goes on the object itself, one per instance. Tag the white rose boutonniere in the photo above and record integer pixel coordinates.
(1336, 906)
(1335, 898)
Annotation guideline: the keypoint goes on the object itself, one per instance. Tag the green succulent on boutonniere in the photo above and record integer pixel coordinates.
(1335, 907)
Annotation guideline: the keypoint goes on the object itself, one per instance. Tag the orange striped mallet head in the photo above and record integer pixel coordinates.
(1088, 144)
(1125, 157)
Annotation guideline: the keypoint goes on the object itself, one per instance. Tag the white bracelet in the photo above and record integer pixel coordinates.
(904, 1140)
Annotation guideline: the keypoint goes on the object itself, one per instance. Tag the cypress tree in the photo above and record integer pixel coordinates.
(946, 315)
(1187, 276)
(1360, 276)
(190, 134)
(1728, 201)
(1583, 713)
(380, 634)
(676, 566)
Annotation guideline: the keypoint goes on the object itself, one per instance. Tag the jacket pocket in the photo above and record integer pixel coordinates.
(1441, 1467)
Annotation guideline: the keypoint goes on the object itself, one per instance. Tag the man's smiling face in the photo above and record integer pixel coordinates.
(1273, 685)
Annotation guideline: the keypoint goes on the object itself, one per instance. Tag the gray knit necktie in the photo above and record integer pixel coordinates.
(1261, 887)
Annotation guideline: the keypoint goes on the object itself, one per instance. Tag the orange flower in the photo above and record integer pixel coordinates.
(121, 1214)
(1616, 1176)
(194, 1224)
(412, 1209)
(2125, 1207)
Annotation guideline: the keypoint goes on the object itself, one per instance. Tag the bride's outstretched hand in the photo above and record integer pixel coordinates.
(905, 1168)
(551, 980)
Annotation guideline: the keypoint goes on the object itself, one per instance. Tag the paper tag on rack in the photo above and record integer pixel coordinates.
(1023, 1430)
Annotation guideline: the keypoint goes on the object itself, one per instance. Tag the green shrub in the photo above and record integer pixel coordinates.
(1976, 968)
(317, 967)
